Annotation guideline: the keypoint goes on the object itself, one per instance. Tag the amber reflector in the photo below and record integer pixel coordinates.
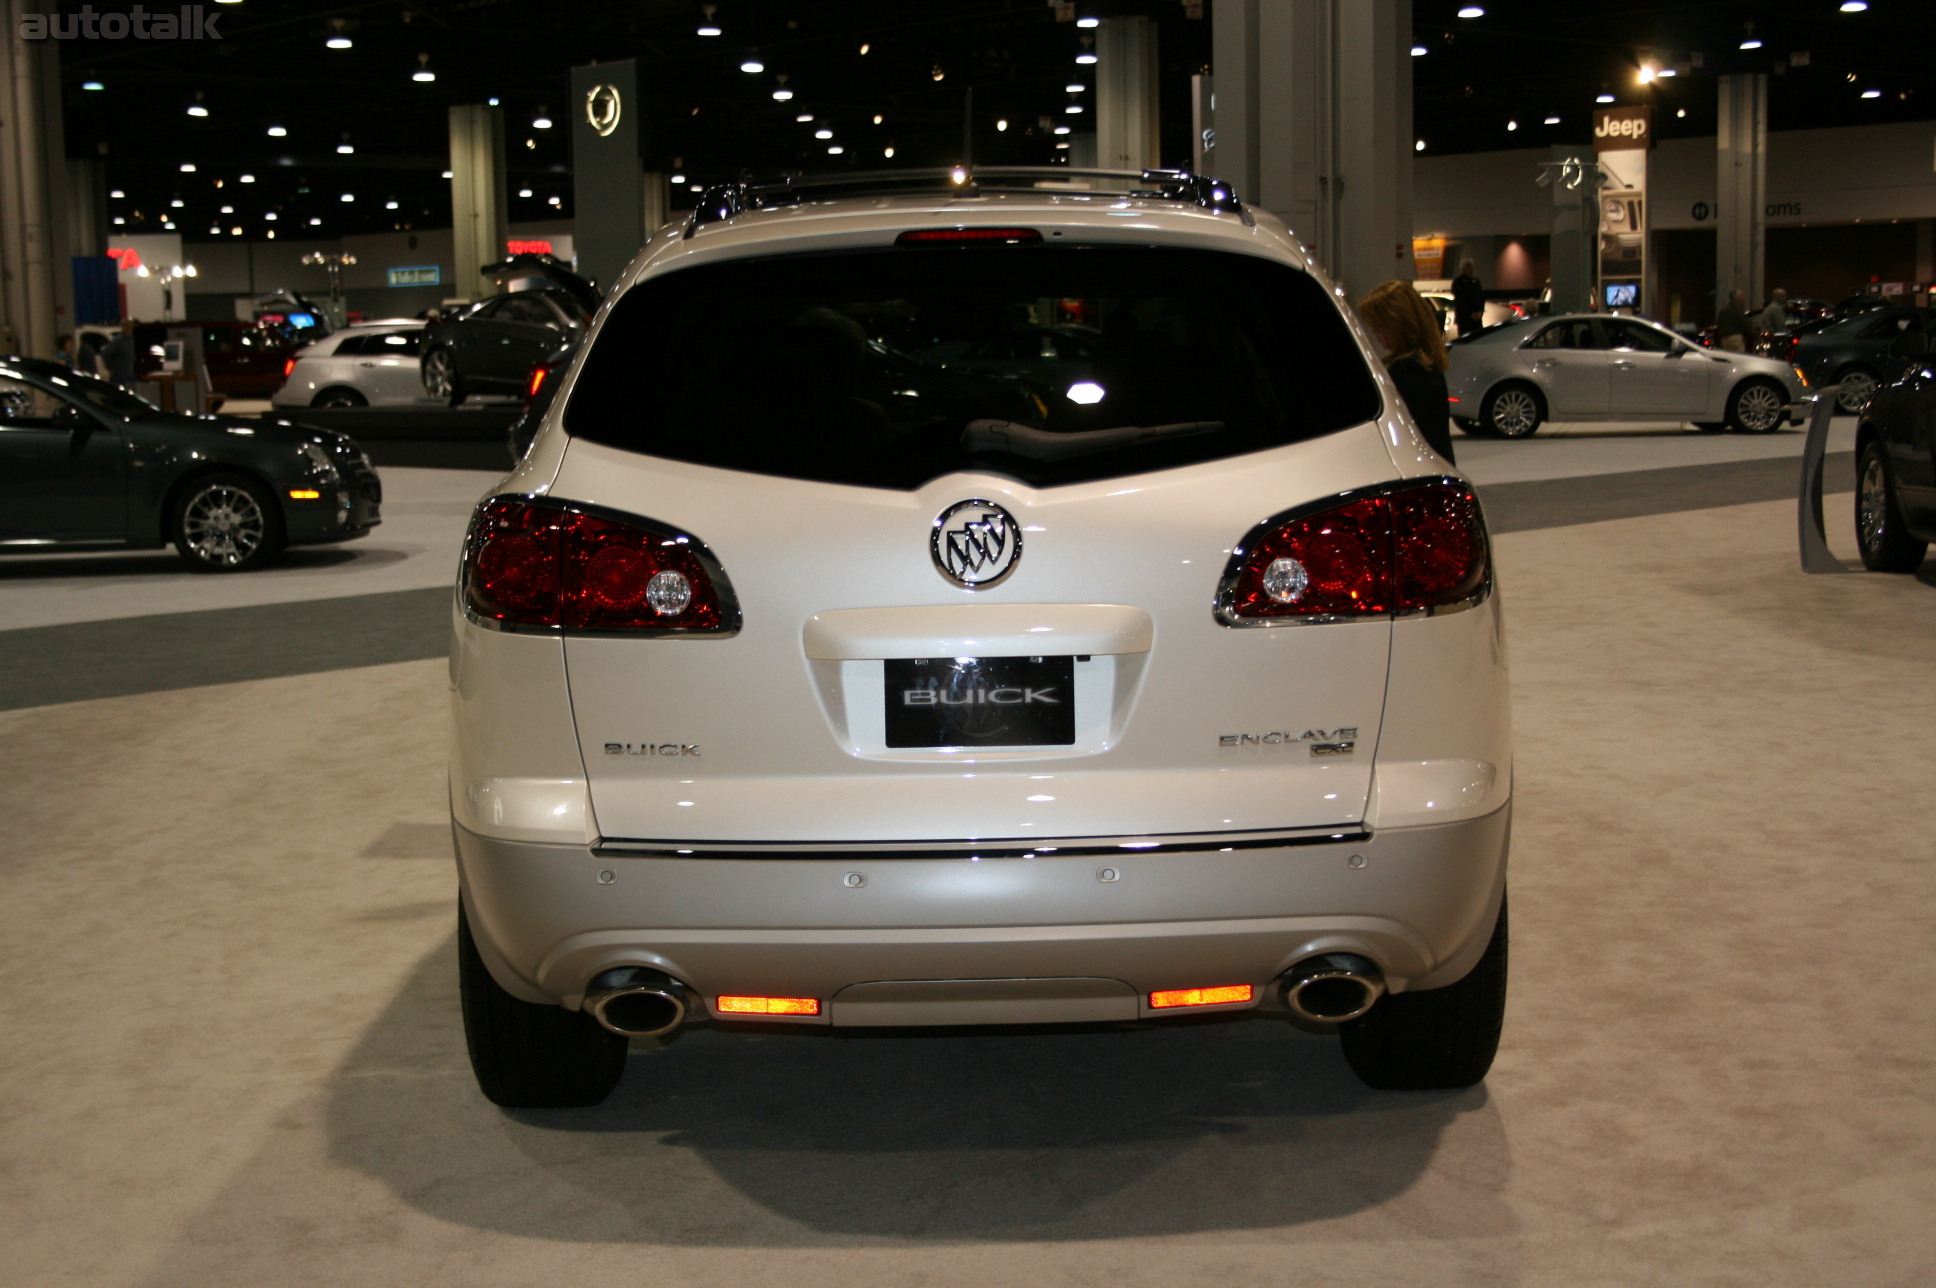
(769, 1006)
(1200, 996)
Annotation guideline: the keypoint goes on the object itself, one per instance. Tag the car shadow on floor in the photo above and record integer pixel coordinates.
(816, 1138)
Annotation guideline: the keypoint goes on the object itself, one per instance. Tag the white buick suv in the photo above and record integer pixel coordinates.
(802, 676)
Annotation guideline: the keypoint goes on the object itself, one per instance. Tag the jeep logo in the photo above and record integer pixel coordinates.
(1622, 127)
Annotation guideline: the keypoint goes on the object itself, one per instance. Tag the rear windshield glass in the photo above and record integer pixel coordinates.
(1049, 364)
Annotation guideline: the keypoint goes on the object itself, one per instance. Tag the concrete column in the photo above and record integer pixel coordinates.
(1313, 123)
(1741, 187)
(479, 206)
(1126, 107)
(28, 300)
(1203, 130)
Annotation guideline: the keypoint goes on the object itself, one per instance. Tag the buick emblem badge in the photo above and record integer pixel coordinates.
(975, 544)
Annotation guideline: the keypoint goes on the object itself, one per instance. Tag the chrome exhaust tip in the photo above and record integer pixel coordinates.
(635, 1002)
(1332, 988)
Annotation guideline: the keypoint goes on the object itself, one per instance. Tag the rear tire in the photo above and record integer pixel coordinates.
(1512, 411)
(1886, 545)
(440, 379)
(1440, 1039)
(529, 1056)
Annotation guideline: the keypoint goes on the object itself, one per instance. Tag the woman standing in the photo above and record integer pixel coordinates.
(1414, 347)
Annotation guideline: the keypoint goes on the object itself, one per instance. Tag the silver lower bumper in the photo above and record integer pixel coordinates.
(984, 939)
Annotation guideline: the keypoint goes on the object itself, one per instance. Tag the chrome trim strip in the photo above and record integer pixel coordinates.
(1004, 848)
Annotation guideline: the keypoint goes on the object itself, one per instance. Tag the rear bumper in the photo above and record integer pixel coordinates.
(1419, 902)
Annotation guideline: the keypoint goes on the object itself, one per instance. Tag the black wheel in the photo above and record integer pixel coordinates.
(440, 378)
(1858, 385)
(226, 523)
(526, 1055)
(1757, 407)
(339, 397)
(1886, 545)
(1437, 1040)
(1512, 411)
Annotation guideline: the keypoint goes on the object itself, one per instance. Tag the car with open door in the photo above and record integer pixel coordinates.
(492, 346)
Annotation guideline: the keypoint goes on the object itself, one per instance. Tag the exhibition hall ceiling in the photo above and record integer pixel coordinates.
(337, 113)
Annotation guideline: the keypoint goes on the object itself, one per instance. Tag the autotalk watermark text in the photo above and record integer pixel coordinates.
(188, 22)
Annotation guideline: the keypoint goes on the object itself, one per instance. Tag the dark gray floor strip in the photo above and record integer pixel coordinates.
(43, 665)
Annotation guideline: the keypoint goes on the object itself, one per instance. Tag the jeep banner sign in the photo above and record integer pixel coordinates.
(1621, 129)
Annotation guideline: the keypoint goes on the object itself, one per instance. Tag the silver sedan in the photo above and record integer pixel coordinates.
(372, 364)
(1585, 367)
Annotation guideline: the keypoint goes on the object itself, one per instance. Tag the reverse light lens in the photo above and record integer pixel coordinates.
(1399, 550)
(543, 566)
(1200, 996)
(731, 1005)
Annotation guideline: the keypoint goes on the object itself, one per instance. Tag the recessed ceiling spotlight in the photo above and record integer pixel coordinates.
(447, 174)
(1751, 44)
(707, 24)
(349, 196)
(346, 149)
(541, 121)
(1419, 146)
(752, 66)
(117, 193)
(524, 192)
(1512, 125)
(1062, 129)
(804, 117)
(1681, 114)
(1088, 22)
(235, 232)
(119, 220)
(1472, 11)
(92, 84)
(1073, 109)
(878, 118)
(1419, 51)
(389, 205)
(782, 95)
(188, 167)
(1552, 120)
(1604, 98)
(888, 151)
(835, 150)
(708, 29)
(245, 178)
(1085, 59)
(677, 178)
(1853, 6)
(271, 216)
(228, 210)
(339, 42)
(823, 134)
(1001, 125)
(935, 73)
(177, 203)
(1667, 72)
(864, 47)
(315, 223)
(1872, 93)
(277, 132)
(423, 74)
(196, 109)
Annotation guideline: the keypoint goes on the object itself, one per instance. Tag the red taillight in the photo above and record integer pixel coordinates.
(288, 368)
(536, 565)
(968, 237)
(1786, 345)
(539, 374)
(1402, 550)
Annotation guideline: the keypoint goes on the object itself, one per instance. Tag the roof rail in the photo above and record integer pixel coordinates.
(725, 200)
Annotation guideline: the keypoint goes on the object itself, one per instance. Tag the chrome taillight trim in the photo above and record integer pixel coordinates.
(730, 618)
(1227, 584)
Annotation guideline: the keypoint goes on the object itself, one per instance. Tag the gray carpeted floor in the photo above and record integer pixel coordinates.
(233, 1057)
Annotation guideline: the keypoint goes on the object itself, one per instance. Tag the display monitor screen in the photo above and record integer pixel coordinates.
(1622, 295)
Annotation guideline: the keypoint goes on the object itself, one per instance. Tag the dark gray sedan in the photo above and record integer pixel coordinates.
(1854, 352)
(86, 465)
(1895, 469)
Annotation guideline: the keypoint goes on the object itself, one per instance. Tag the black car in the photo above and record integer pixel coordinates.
(492, 346)
(86, 465)
(1895, 471)
(1853, 351)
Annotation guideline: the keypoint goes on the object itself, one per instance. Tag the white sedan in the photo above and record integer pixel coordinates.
(1586, 367)
(372, 364)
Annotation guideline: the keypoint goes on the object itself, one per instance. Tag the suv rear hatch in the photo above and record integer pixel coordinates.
(964, 605)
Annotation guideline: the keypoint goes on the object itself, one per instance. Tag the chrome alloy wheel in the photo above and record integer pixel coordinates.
(222, 525)
(1758, 408)
(1515, 412)
(439, 376)
(1854, 391)
(1872, 503)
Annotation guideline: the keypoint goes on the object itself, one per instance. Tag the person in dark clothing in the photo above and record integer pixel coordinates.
(1414, 350)
(1468, 299)
(118, 355)
(1732, 326)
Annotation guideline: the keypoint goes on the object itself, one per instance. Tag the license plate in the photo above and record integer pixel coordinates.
(980, 702)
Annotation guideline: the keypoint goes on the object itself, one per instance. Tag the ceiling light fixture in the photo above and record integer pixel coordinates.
(1604, 98)
(188, 167)
(1646, 74)
(1552, 120)
(340, 42)
(423, 74)
(1074, 87)
(1751, 44)
(888, 151)
(1853, 6)
(823, 134)
(541, 121)
(1872, 93)
(93, 84)
(864, 48)
(1419, 51)
(346, 149)
(1088, 22)
(1001, 125)
(524, 192)
(1085, 58)
(835, 150)
(707, 25)
(752, 66)
(245, 178)
(804, 117)
(117, 193)
(1472, 11)
(277, 132)
(1419, 146)
(936, 73)
(1512, 125)
(878, 118)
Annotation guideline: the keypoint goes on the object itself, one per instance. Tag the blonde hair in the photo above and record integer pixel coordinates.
(1405, 325)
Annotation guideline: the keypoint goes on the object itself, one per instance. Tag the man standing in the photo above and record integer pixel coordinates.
(118, 354)
(1732, 325)
(1775, 316)
(1468, 299)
